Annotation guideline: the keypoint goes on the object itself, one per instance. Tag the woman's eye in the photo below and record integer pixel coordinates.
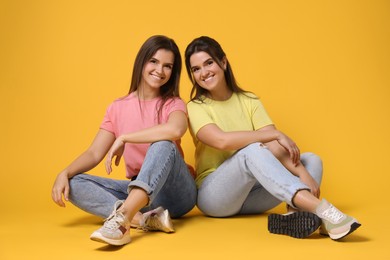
(210, 62)
(195, 69)
(153, 61)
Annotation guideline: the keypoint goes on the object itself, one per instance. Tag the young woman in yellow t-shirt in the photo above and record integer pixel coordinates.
(244, 164)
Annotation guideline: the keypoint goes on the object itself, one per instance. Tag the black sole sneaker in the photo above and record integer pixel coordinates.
(298, 224)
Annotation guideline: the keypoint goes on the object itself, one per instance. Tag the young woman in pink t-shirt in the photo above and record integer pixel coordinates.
(144, 128)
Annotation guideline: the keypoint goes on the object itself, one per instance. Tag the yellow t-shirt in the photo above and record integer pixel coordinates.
(241, 112)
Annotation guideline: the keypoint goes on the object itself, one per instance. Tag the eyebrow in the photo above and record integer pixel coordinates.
(168, 63)
(209, 59)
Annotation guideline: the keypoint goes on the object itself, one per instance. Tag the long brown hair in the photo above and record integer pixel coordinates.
(146, 52)
(214, 49)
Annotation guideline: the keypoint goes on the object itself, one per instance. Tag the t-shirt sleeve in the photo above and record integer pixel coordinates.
(198, 116)
(108, 119)
(260, 117)
(176, 104)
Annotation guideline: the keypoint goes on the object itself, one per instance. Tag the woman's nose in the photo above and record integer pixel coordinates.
(204, 73)
(159, 69)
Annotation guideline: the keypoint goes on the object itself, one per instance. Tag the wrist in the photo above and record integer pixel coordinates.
(122, 139)
(278, 135)
(65, 173)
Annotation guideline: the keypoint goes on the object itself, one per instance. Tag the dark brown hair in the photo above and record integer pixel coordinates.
(146, 52)
(214, 49)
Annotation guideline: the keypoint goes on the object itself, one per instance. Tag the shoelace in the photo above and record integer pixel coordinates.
(333, 214)
(112, 222)
(148, 221)
(154, 222)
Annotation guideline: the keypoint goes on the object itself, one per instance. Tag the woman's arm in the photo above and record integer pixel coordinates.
(172, 130)
(282, 150)
(278, 143)
(295, 167)
(213, 136)
(85, 162)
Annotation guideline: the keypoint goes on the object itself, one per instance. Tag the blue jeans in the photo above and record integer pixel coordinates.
(164, 176)
(252, 181)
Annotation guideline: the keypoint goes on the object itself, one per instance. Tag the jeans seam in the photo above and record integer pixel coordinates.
(150, 188)
(286, 191)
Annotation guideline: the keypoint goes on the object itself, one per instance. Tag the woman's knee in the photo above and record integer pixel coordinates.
(255, 151)
(252, 148)
(161, 144)
(76, 179)
(311, 158)
(277, 150)
(313, 164)
(162, 147)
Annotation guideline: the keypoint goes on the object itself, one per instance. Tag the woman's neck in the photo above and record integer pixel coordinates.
(221, 95)
(143, 94)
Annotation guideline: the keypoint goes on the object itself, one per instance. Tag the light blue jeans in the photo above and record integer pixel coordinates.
(252, 181)
(164, 176)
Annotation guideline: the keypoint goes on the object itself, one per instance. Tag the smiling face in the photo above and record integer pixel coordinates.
(209, 75)
(156, 72)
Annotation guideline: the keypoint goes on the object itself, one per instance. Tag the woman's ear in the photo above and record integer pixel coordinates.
(224, 62)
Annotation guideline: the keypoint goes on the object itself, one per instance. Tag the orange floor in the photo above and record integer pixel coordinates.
(321, 69)
(55, 233)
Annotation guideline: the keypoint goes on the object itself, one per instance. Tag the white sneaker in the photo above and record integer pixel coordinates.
(299, 224)
(115, 230)
(156, 220)
(336, 223)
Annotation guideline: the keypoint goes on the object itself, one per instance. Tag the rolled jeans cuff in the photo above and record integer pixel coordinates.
(141, 185)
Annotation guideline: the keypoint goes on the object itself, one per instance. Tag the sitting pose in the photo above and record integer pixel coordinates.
(145, 127)
(245, 165)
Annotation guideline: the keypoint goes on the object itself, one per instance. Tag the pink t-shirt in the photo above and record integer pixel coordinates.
(129, 114)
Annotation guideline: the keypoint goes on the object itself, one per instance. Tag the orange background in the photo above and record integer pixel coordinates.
(321, 69)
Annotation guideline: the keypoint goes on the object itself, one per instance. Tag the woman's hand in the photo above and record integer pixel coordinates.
(60, 187)
(291, 147)
(116, 150)
(311, 183)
